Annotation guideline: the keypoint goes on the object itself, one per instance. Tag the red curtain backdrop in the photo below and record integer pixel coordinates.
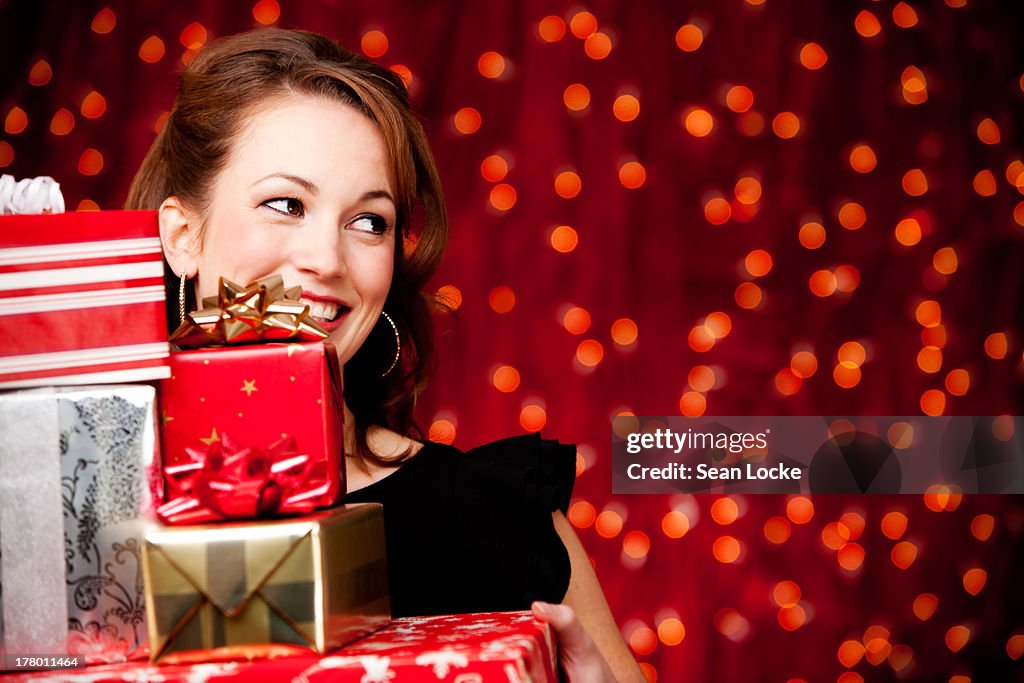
(714, 145)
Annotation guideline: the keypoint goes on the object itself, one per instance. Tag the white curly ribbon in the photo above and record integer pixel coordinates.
(31, 195)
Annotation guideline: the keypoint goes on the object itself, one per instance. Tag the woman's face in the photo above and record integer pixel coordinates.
(307, 194)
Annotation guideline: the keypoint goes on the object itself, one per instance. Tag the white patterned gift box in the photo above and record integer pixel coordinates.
(79, 474)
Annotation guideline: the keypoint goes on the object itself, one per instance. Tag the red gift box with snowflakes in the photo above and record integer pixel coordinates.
(505, 647)
(269, 419)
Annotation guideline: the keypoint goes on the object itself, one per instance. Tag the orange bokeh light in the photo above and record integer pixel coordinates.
(852, 216)
(787, 382)
(490, 64)
(786, 125)
(626, 108)
(945, 261)
(847, 278)
(988, 132)
(104, 21)
(501, 299)
(846, 374)
(624, 332)
(867, 24)
(974, 580)
(957, 637)
(717, 211)
(718, 324)
(576, 97)
(777, 530)
(982, 526)
(152, 50)
(16, 121)
(758, 262)
(701, 378)
(675, 524)
(63, 122)
(583, 24)
(929, 359)
(576, 320)
(193, 36)
(786, 593)
(726, 549)
(582, 514)
(671, 631)
(467, 120)
(503, 196)
(800, 510)
(748, 190)
(506, 379)
(689, 37)
(958, 382)
(724, 511)
(597, 45)
(748, 295)
(91, 162)
(442, 431)
(850, 653)
(835, 535)
(928, 313)
(933, 402)
(568, 184)
(894, 525)
(925, 605)
(996, 345)
(564, 239)
(40, 73)
(850, 556)
(739, 98)
(551, 29)
(813, 56)
(533, 417)
(450, 296)
(803, 364)
(266, 12)
(692, 404)
(863, 159)
(643, 641)
(374, 43)
(494, 168)
(908, 232)
(822, 283)
(6, 154)
(608, 524)
(792, 617)
(632, 175)
(915, 182)
(589, 352)
(903, 15)
(985, 183)
(636, 544)
(811, 235)
(698, 122)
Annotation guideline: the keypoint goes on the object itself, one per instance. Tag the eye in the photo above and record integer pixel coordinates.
(289, 206)
(371, 223)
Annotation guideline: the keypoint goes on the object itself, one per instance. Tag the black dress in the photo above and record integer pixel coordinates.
(472, 532)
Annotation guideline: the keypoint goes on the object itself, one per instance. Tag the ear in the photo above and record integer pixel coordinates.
(179, 234)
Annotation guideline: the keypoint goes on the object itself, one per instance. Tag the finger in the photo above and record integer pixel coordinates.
(562, 618)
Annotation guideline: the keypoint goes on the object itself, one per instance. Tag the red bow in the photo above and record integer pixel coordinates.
(231, 481)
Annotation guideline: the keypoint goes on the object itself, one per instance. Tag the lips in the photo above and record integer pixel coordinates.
(327, 311)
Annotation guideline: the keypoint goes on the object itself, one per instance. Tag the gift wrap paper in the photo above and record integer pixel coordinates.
(90, 453)
(318, 581)
(258, 395)
(81, 299)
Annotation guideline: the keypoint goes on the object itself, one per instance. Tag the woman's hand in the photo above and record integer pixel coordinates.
(578, 655)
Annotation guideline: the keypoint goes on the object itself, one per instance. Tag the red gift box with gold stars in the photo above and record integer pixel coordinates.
(251, 431)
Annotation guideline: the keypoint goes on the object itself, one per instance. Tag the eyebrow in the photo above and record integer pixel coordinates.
(311, 187)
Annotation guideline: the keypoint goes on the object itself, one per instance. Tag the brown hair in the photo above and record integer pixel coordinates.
(227, 81)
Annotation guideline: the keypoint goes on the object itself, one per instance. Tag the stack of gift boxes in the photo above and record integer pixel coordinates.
(188, 503)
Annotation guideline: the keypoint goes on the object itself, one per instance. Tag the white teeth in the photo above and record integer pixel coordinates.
(321, 310)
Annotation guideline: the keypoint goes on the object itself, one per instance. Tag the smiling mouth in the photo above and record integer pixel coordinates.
(325, 311)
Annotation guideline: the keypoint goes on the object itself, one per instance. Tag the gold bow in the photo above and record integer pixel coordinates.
(263, 310)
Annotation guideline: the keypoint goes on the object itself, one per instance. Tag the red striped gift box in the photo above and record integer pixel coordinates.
(81, 299)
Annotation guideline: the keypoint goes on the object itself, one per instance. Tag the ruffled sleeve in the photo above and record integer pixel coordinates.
(506, 492)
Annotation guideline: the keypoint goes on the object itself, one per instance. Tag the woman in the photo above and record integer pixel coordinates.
(287, 154)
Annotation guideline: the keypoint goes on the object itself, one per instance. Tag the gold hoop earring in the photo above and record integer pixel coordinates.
(398, 344)
(181, 298)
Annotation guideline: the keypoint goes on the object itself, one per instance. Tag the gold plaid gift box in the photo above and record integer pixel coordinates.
(318, 581)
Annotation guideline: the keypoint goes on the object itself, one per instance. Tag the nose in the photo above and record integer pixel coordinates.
(320, 250)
